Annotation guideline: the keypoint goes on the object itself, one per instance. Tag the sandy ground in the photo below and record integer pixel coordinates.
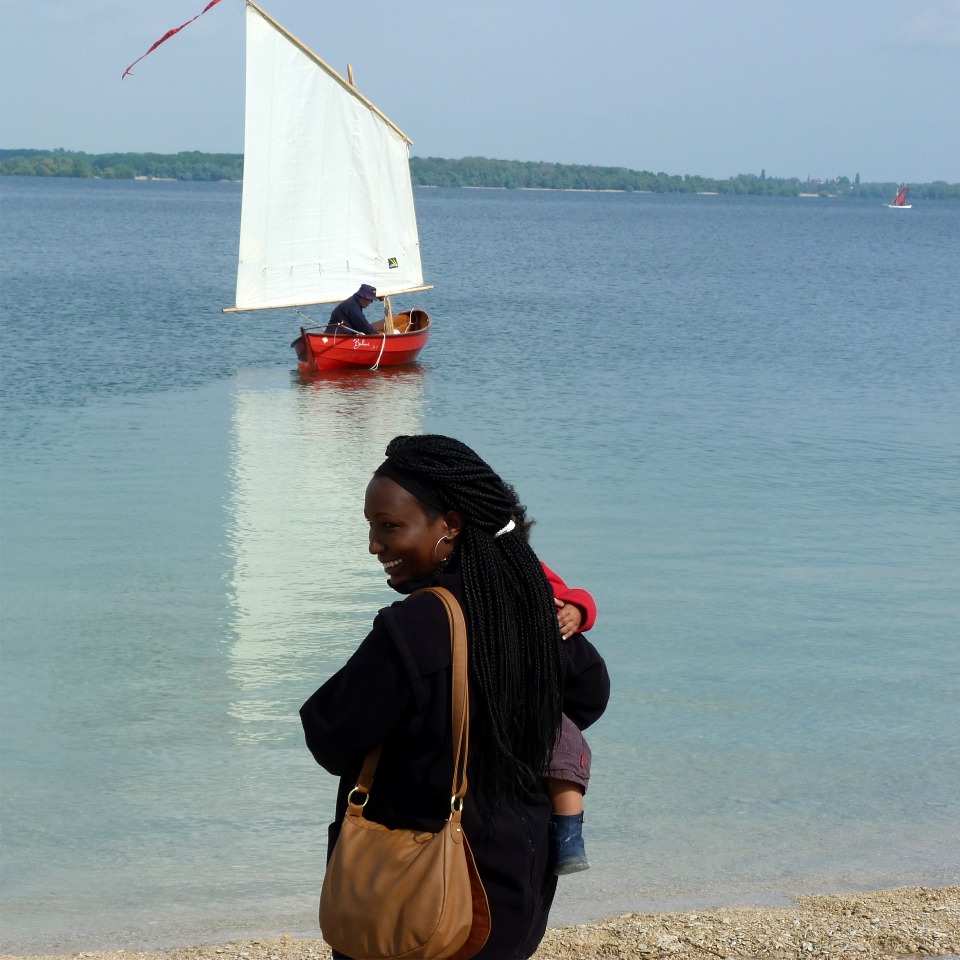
(908, 922)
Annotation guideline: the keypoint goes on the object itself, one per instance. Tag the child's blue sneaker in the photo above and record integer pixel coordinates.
(566, 844)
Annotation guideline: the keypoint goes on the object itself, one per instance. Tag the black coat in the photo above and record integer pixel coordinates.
(396, 690)
(349, 314)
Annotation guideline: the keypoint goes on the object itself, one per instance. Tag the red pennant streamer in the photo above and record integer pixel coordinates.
(168, 35)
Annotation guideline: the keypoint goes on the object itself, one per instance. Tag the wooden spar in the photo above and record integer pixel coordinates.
(350, 75)
(346, 84)
(316, 303)
(387, 316)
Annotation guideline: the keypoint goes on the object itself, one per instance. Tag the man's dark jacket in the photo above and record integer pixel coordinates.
(349, 314)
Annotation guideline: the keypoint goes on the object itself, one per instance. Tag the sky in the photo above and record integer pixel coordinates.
(821, 88)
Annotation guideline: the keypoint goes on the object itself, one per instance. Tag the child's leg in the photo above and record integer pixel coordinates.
(565, 784)
(566, 797)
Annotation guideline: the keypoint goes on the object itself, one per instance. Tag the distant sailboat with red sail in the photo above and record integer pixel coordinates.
(900, 200)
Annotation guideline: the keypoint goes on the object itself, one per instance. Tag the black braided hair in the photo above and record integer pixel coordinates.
(515, 645)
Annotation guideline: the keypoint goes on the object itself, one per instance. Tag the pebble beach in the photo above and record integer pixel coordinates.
(907, 922)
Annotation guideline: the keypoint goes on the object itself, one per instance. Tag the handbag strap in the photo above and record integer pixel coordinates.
(460, 711)
(460, 703)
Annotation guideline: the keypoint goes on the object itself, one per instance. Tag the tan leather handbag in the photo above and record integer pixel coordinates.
(391, 894)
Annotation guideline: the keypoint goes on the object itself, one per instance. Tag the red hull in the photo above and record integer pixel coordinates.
(318, 351)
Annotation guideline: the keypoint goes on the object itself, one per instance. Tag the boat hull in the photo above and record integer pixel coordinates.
(900, 200)
(318, 351)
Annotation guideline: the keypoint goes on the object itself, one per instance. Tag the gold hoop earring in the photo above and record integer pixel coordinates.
(437, 544)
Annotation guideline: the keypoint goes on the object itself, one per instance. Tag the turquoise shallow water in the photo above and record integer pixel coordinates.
(737, 423)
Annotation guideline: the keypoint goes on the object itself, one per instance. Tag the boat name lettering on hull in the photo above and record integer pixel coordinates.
(360, 344)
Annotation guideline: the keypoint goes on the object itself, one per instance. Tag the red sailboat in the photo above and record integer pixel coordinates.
(399, 340)
(327, 201)
(900, 200)
(327, 204)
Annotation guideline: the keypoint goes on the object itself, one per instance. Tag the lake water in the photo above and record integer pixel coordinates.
(737, 422)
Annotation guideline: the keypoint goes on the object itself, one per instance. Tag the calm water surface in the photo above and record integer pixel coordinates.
(737, 423)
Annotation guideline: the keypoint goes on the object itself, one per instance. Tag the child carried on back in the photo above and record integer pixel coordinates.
(568, 773)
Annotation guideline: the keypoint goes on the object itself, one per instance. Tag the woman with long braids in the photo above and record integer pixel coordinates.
(440, 516)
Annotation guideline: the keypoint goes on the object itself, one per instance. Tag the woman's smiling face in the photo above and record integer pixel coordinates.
(402, 535)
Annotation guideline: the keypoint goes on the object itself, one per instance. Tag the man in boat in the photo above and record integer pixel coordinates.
(348, 316)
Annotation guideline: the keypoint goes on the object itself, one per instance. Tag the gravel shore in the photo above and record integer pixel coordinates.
(907, 922)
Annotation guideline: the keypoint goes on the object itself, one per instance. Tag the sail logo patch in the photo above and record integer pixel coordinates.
(392, 263)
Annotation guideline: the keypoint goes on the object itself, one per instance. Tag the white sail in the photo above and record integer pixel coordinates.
(327, 195)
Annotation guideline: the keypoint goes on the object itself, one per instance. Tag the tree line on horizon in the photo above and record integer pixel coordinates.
(477, 172)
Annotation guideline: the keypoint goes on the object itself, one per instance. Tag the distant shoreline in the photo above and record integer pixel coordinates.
(467, 172)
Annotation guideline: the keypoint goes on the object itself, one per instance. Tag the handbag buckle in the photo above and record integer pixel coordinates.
(363, 793)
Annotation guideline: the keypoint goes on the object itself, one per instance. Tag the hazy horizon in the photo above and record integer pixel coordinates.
(819, 89)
